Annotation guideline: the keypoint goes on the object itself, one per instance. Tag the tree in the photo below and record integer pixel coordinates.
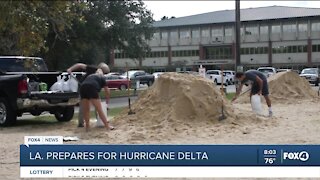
(106, 25)
(24, 25)
(164, 18)
(65, 32)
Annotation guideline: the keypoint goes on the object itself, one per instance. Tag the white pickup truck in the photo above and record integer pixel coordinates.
(215, 76)
(267, 71)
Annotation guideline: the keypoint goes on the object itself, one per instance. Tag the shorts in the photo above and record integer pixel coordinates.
(88, 91)
(255, 88)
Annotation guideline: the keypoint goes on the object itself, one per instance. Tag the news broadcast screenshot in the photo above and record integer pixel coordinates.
(159, 89)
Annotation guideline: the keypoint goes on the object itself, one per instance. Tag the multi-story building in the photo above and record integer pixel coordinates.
(286, 37)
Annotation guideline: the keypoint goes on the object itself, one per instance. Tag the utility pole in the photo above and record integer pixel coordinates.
(237, 28)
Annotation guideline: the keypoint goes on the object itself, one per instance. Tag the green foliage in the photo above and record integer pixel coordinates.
(105, 25)
(65, 32)
(24, 25)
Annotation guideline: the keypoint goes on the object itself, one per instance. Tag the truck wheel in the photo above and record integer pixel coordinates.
(150, 83)
(65, 114)
(123, 87)
(7, 115)
(215, 81)
(316, 83)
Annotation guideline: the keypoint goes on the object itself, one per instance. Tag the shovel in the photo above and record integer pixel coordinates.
(222, 117)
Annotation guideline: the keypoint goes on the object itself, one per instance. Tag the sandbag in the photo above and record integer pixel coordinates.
(99, 122)
(256, 104)
(57, 86)
(65, 84)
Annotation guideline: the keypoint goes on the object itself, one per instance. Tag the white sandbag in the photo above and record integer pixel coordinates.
(73, 83)
(256, 104)
(57, 86)
(69, 85)
(99, 122)
(65, 86)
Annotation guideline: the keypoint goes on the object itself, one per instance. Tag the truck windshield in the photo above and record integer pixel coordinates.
(22, 65)
(266, 70)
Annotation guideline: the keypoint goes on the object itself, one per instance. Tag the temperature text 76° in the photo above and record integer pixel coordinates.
(269, 160)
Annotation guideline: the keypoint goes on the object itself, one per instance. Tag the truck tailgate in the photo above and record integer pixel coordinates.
(54, 97)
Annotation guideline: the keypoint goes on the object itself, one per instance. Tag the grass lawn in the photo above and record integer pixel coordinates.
(230, 96)
(119, 93)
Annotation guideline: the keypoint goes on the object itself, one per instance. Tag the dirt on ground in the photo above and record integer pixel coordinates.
(181, 109)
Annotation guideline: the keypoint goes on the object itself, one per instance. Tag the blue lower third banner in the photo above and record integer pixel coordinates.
(170, 155)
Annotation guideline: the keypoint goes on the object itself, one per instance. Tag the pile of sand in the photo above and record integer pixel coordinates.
(285, 87)
(182, 97)
(175, 99)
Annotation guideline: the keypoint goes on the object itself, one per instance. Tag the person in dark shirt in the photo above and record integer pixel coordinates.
(89, 93)
(88, 69)
(259, 85)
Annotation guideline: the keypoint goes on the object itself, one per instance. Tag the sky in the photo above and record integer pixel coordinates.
(186, 8)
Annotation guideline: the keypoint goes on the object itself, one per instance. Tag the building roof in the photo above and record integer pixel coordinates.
(250, 14)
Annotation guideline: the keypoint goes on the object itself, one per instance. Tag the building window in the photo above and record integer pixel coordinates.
(184, 34)
(197, 52)
(303, 27)
(275, 29)
(217, 32)
(251, 50)
(254, 50)
(247, 50)
(228, 31)
(264, 30)
(294, 49)
(156, 54)
(184, 53)
(315, 26)
(205, 32)
(195, 33)
(219, 53)
(251, 30)
(290, 49)
(164, 35)
(316, 48)
(174, 34)
(289, 28)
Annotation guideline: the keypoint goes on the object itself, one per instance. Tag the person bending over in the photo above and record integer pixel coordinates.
(259, 85)
(88, 69)
(89, 93)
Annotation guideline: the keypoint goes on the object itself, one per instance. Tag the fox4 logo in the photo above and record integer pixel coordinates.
(302, 156)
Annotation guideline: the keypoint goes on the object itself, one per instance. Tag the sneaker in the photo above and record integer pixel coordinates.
(270, 113)
(80, 125)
